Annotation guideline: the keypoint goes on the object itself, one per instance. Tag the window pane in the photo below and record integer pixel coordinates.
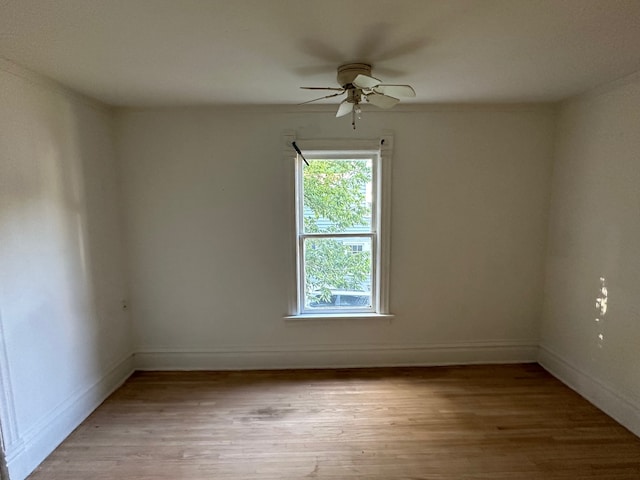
(337, 273)
(337, 196)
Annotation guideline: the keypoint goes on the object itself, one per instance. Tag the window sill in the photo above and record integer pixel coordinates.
(340, 316)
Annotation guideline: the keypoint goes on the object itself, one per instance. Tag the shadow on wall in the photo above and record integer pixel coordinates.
(61, 256)
(96, 205)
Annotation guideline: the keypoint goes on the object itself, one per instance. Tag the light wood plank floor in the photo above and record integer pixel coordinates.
(474, 422)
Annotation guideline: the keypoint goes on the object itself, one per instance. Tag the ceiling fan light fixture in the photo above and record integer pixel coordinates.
(356, 81)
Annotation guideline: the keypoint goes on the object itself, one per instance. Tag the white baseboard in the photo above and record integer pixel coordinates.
(39, 441)
(622, 407)
(330, 356)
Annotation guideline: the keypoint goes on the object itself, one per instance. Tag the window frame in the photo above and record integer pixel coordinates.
(302, 236)
(379, 151)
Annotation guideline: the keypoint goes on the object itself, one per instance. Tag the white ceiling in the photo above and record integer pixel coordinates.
(186, 52)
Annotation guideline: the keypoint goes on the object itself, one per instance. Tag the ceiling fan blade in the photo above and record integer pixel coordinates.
(322, 98)
(323, 88)
(345, 108)
(365, 81)
(380, 100)
(395, 90)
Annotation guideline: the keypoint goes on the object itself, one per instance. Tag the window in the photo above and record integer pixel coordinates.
(341, 248)
(355, 247)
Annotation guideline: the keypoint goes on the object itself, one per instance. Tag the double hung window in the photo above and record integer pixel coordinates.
(341, 251)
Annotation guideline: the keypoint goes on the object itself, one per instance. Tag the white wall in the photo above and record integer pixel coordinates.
(207, 195)
(64, 339)
(595, 232)
(207, 198)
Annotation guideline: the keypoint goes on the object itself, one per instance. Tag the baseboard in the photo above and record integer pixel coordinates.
(41, 439)
(620, 406)
(329, 356)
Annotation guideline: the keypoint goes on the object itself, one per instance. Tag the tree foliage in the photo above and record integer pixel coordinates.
(334, 191)
(335, 201)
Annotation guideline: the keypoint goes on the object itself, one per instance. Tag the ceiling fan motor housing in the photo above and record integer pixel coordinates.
(347, 73)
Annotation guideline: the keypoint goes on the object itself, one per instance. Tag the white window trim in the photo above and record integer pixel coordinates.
(383, 148)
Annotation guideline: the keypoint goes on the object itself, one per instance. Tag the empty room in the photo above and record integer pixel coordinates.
(289, 239)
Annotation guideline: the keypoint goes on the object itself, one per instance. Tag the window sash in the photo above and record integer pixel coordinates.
(302, 274)
(338, 155)
(375, 158)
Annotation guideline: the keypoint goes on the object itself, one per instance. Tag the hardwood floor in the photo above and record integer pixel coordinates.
(473, 422)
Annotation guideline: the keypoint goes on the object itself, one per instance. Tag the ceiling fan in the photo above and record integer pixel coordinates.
(356, 81)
